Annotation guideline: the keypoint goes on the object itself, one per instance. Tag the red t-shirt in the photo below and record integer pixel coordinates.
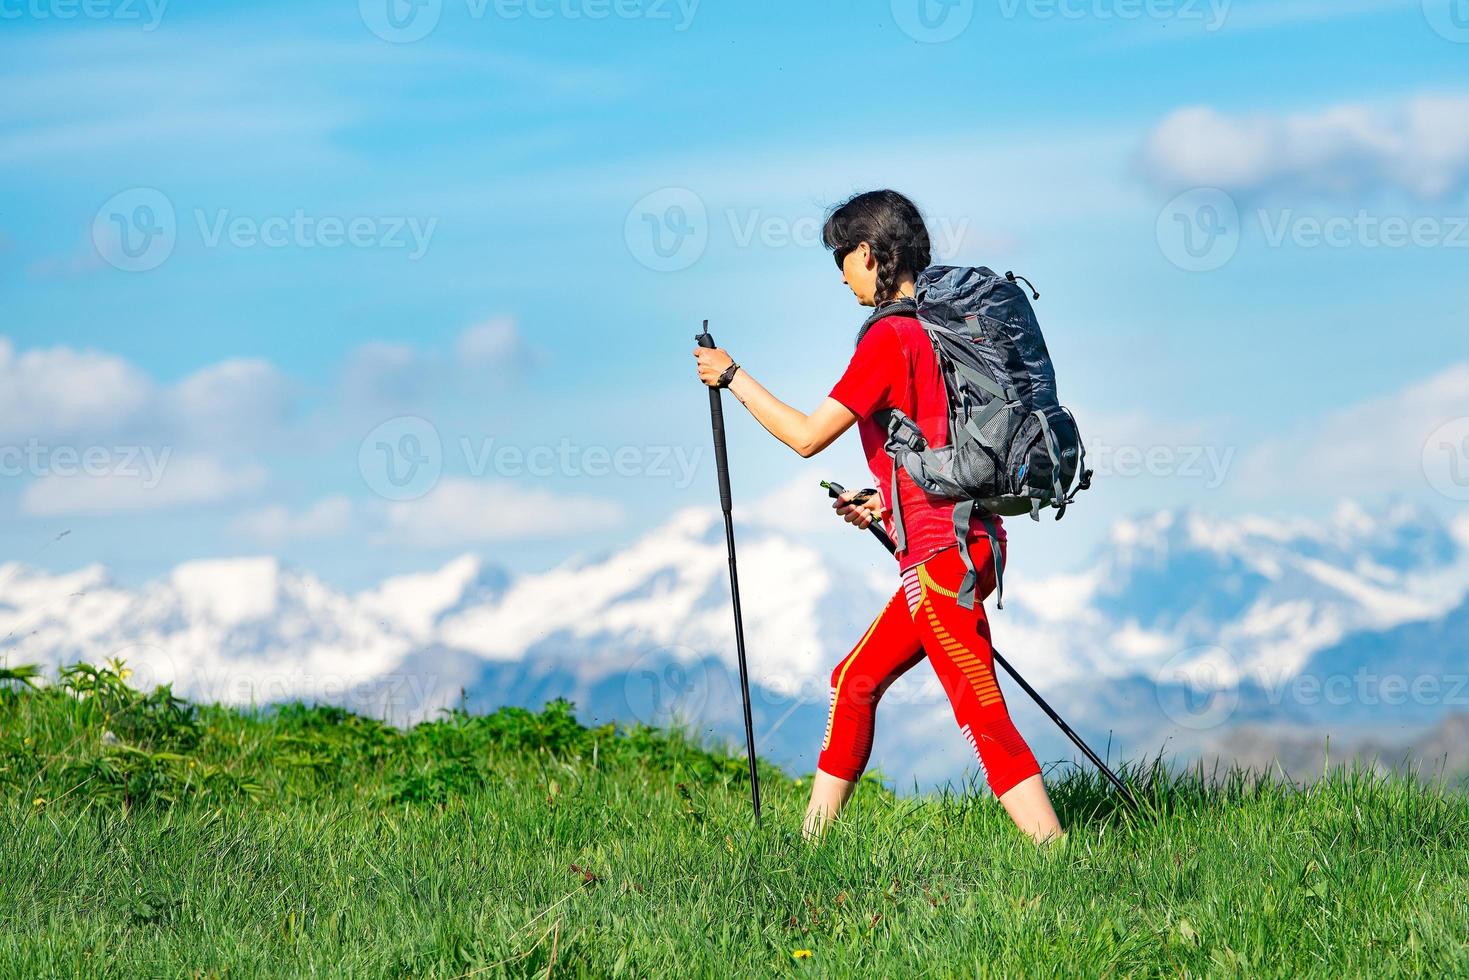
(895, 367)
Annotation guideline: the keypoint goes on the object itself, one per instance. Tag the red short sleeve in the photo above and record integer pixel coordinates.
(874, 377)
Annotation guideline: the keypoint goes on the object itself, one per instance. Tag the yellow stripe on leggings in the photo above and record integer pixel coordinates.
(846, 664)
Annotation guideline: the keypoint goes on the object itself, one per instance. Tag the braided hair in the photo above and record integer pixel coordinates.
(892, 227)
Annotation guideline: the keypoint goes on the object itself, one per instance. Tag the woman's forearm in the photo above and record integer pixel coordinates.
(806, 434)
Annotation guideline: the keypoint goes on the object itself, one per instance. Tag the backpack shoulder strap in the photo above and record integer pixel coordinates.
(900, 308)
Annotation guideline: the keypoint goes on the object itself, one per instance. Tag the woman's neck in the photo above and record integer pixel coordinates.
(905, 290)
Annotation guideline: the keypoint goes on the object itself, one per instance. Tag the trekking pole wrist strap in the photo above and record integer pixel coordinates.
(728, 375)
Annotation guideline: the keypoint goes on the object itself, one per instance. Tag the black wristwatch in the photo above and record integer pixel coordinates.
(728, 375)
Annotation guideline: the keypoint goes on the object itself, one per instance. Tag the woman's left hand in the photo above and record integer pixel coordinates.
(713, 361)
(862, 513)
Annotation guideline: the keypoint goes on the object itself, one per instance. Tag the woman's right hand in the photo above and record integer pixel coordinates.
(860, 514)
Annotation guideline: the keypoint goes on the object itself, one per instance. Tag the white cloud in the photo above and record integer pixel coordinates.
(328, 517)
(494, 343)
(58, 391)
(798, 506)
(1368, 448)
(461, 511)
(244, 399)
(383, 373)
(132, 487)
(1419, 145)
(62, 396)
(62, 393)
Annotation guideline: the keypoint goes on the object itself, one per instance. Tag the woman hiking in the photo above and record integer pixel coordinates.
(881, 244)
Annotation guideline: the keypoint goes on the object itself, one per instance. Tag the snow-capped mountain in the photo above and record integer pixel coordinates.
(1184, 626)
(254, 631)
(1251, 597)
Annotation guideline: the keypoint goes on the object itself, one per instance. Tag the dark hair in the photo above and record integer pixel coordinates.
(889, 223)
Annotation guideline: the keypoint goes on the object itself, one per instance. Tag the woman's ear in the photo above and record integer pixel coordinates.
(869, 261)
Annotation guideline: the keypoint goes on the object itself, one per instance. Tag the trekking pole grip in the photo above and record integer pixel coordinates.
(716, 413)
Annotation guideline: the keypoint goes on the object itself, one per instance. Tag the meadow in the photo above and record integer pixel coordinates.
(141, 835)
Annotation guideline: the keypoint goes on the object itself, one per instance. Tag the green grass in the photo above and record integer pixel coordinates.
(203, 841)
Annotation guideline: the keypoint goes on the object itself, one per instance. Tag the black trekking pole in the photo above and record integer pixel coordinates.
(721, 460)
(835, 490)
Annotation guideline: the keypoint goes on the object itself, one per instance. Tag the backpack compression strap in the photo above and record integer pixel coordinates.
(963, 515)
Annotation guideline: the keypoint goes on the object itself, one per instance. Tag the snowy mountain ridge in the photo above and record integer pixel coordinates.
(1174, 595)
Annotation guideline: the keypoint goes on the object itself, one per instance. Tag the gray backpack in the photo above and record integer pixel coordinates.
(1012, 447)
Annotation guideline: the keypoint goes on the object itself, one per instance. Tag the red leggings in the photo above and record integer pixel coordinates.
(924, 618)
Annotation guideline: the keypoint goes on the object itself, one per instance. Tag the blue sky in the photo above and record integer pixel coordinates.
(361, 230)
